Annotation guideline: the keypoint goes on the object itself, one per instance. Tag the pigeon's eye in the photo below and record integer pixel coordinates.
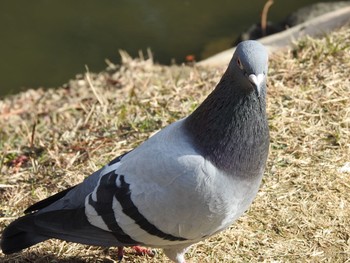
(239, 63)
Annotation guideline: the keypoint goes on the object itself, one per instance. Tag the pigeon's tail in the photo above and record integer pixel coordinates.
(20, 234)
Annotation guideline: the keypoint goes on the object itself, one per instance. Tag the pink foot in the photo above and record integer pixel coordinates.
(138, 251)
(143, 251)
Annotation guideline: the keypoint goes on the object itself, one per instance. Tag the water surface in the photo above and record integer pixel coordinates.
(43, 43)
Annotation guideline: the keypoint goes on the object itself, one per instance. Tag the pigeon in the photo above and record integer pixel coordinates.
(187, 182)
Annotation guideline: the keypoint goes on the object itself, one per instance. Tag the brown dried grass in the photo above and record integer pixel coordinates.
(301, 213)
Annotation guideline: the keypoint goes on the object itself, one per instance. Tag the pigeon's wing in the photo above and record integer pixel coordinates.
(60, 216)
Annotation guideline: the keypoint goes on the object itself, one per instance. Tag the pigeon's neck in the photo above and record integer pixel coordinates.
(230, 129)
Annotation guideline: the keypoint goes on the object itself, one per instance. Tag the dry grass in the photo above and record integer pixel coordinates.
(302, 212)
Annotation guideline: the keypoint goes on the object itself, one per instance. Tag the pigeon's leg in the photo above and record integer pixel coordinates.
(120, 253)
(177, 254)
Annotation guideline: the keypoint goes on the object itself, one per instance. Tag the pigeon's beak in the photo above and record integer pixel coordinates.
(257, 81)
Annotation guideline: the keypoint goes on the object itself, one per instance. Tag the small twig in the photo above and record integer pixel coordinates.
(150, 54)
(89, 115)
(2, 160)
(265, 10)
(92, 86)
(32, 155)
(33, 135)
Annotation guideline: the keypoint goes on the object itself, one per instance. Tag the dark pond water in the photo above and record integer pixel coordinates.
(43, 43)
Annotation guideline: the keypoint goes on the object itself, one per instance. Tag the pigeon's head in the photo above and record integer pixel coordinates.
(249, 66)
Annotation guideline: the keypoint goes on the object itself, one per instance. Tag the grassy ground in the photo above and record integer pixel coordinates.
(52, 139)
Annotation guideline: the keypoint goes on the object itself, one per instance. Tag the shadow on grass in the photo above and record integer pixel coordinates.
(33, 257)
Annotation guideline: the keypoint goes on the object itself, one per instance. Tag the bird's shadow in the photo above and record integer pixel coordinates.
(105, 255)
(34, 257)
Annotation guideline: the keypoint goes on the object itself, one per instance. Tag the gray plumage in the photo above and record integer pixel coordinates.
(187, 182)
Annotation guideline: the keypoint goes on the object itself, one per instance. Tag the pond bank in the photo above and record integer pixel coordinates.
(317, 26)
